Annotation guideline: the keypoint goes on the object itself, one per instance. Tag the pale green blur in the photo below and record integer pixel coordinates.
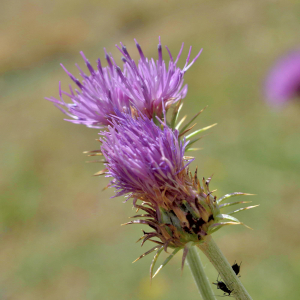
(60, 233)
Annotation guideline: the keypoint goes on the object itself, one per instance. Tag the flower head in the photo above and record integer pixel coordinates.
(144, 160)
(283, 82)
(146, 86)
(148, 164)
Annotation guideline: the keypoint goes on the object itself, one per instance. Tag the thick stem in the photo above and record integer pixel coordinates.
(216, 257)
(200, 278)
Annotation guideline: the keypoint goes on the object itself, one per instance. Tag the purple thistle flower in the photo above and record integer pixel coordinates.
(144, 160)
(146, 86)
(147, 164)
(283, 81)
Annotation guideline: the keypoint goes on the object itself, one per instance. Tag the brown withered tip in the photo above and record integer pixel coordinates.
(185, 223)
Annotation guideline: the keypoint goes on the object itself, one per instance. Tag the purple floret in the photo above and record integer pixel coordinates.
(145, 161)
(146, 86)
(283, 81)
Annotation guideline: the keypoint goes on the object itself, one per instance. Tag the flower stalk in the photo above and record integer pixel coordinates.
(216, 257)
(195, 264)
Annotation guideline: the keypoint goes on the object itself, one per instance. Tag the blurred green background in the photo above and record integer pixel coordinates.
(60, 233)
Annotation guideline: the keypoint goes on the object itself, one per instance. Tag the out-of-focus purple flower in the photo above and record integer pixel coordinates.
(283, 81)
(145, 86)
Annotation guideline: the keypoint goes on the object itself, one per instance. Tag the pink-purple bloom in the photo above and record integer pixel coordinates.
(144, 160)
(283, 81)
(145, 86)
(148, 164)
(144, 155)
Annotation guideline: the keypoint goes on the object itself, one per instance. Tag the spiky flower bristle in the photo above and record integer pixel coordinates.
(148, 164)
(187, 223)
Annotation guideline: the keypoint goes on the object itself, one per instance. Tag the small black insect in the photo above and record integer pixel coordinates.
(236, 268)
(223, 287)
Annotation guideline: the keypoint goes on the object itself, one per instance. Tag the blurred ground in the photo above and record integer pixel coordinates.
(60, 233)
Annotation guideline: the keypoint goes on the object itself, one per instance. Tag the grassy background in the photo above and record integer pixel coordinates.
(60, 234)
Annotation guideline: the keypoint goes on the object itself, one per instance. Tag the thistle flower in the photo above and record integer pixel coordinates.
(283, 81)
(146, 86)
(144, 154)
(148, 164)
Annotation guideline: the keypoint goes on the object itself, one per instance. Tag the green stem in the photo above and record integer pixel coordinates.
(194, 262)
(216, 257)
